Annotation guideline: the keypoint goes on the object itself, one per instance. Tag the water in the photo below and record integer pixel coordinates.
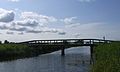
(75, 60)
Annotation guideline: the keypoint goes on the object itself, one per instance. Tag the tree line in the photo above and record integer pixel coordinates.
(6, 42)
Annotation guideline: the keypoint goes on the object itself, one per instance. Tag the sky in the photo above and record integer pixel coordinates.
(24, 20)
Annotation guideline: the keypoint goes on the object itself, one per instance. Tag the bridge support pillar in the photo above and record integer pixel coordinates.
(63, 51)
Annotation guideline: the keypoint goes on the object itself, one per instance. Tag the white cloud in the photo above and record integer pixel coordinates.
(14, 0)
(95, 30)
(12, 27)
(31, 23)
(20, 33)
(61, 33)
(17, 27)
(33, 31)
(28, 22)
(46, 30)
(35, 23)
(40, 18)
(6, 15)
(69, 20)
(8, 32)
(3, 26)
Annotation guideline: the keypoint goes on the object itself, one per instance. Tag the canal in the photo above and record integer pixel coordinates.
(77, 59)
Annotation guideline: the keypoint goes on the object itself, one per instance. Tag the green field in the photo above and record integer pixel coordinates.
(107, 58)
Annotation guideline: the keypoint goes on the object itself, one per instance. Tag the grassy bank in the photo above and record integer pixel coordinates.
(15, 51)
(107, 58)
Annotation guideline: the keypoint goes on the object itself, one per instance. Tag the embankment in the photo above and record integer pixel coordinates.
(15, 51)
(107, 58)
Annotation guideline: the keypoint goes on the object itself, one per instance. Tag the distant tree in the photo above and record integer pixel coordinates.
(6, 42)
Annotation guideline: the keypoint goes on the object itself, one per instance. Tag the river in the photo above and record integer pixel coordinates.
(76, 60)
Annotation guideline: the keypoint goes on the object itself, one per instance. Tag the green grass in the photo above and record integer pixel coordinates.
(107, 58)
(15, 51)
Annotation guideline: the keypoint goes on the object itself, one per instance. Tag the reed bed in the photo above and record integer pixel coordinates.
(107, 58)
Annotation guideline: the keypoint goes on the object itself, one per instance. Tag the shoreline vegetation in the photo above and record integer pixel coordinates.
(12, 51)
(107, 58)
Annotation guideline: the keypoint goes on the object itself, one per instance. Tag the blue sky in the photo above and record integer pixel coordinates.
(52, 19)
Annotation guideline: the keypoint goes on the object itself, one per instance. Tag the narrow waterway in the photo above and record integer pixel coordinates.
(77, 59)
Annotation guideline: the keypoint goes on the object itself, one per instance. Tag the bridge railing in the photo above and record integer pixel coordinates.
(67, 41)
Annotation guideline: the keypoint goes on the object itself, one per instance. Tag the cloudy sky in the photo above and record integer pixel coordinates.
(22, 20)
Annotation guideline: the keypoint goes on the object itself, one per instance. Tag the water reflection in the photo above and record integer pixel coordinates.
(75, 60)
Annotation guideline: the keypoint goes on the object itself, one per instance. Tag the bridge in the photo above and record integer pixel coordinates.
(66, 43)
